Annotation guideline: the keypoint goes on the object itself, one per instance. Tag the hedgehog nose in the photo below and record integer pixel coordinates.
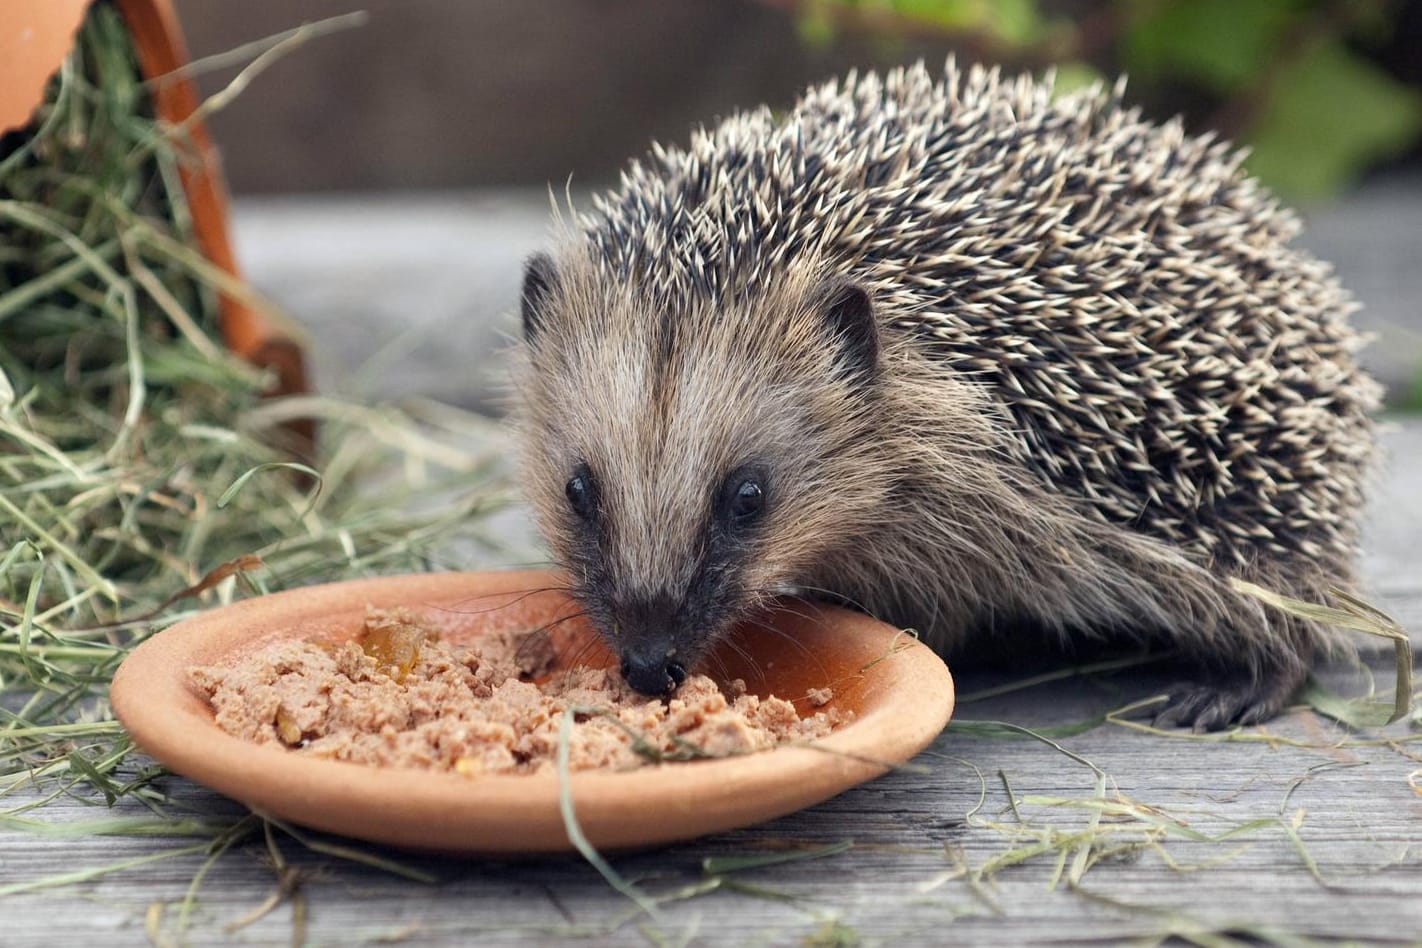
(646, 631)
(654, 677)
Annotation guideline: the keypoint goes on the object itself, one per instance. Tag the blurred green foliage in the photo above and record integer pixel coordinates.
(1292, 79)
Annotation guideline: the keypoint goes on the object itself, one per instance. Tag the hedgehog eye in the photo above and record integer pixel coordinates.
(582, 493)
(747, 502)
(743, 496)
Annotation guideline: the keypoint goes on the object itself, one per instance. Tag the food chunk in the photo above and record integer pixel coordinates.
(396, 696)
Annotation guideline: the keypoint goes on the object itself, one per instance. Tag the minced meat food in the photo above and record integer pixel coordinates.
(396, 696)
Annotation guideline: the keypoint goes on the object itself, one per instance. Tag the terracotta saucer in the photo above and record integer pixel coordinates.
(899, 690)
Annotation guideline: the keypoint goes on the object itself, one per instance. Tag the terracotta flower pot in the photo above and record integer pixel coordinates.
(36, 35)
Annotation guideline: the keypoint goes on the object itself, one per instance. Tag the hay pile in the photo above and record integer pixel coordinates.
(142, 474)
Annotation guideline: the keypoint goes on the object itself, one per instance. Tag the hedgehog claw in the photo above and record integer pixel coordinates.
(1213, 706)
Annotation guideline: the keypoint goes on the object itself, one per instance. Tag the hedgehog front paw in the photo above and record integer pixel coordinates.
(1236, 699)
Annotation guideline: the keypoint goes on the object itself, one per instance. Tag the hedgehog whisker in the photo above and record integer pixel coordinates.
(518, 596)
(718, 665)
(549, 626)
(809, 654)
(774, 629)
(740, 650)
(834, 597)
(584, 648)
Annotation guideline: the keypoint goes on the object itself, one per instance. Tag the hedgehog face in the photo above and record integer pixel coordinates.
(685, 466)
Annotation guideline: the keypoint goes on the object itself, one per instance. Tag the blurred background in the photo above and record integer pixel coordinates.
(420, 146)
(470, 93)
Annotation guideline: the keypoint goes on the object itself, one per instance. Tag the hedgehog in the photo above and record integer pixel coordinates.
(1000, 365)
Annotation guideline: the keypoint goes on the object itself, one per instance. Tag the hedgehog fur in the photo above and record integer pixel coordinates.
(1099, 382)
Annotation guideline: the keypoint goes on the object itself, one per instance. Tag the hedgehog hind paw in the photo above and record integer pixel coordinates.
(1234, 700)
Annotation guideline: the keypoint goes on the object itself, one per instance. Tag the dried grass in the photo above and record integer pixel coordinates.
(142, 473)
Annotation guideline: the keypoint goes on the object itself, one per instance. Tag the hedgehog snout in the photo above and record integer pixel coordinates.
(648, 647)
(652, 675)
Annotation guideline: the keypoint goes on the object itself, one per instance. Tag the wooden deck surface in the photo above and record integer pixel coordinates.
(1326, 823)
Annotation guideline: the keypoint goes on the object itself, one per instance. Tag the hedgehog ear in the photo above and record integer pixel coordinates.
(539, 279)
(849, 314)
